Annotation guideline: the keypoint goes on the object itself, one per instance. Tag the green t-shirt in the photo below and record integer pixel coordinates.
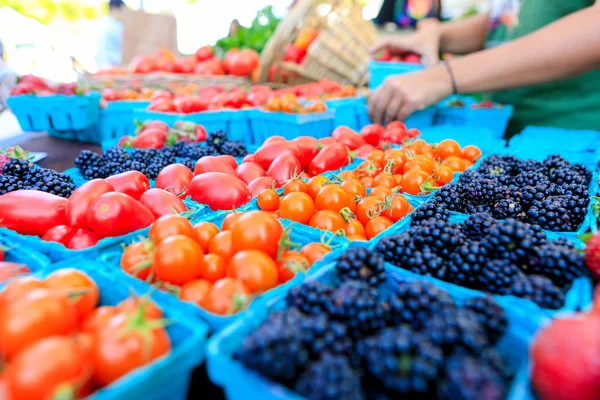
(571, 103)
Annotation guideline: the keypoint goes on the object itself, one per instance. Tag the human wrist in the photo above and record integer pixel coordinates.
(440, 82)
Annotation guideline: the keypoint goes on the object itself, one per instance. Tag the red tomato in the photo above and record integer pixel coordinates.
(204, 53)
(290, 263)
(372, 134)
(83, 239)
(333, 156)
(397, 207)
(257, 230)
(364, 151)
(132, 183)
(255, 269)
(229, 160)
(82, 198)
(137, 259)
(213, 164)
(162, 105)
(117, 214)
(31, 212)
(160, 202)
(9, 270)
(349, 137)
(268, 200)
(219, 191)
(308, 148)
(227, 296)
(249, 171)
(178, 259)
(68, 280)
(97, 318)
(241, 63)
(195, 291)
(19, 287)
(283, 168)
(230, 220)
(209, 67)
(175, 179)
(171, 225)
(270, 151)
(60, 234)
(260, 184)
(274, 139)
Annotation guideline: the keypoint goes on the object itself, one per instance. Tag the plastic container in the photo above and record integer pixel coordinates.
(265, 124)
(57, 252)
(495, 119)
(242, 383)
(419, 120)
(380, 70)
(211, 120)
(483, 138)
(59, 113)
(167, 377)
(116, 120)
(345, 111)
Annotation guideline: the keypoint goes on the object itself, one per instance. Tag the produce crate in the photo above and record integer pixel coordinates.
(240, 382)
(345, 111)
(167, 377)
(23, 255)
(211, 120)
(116, 120)
(380, 70)
(57, 252)
(582, 143)
(495, 119)
(239, 127)
(481, 137)
(420, 119)
(265, 124)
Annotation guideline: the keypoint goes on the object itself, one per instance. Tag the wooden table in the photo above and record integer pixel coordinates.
(61, 153)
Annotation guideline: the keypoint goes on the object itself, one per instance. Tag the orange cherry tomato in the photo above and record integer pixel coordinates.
(427, 164)
(297, 206)
(354, 188)
(332, 197)
(195, 291)
(413, 180)
(471, 153)
(230, 220)
(205, 232)
(222, 245)
(171, 225)
(398, 179)
(419, 146)
(359, 238)
(376, 155)
(397, 207)
(367, 208)
(268, 200)
(315, 184)
(381, 192)
(255, 269)
(377, 225)
(456, 164)
(354, 227)
(227, 296)
(396, 159)
(369, 168)
(367, 182)
(290, 263)
(315, 252)
(443, 175)
(345, 175)
(68, 280)
(385, 179)
(328, 220)
(214, 267)
(295, 185)
(447, 148)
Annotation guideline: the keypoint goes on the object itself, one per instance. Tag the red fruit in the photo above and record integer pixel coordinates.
(81, 200)
(213, 164)
(175, 179)
(373, 134)
(283, 168)
(260, 184)
(204, 53)
(31, 212)
(4, 159)
(270, 151)
(132, 183)
(116, 214)
(60, 234)
(565, 358)
(249, 171)
(229, 160)
(219, 191)
(83, 239)
(308, 148)
(592, 256)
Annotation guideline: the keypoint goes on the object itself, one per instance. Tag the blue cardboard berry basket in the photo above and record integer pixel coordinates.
(554, 140)
(380, 70)
(495, 119)
(481, 137)
(116, 120)
(240, 382)
(419, 120)
(167, 377)
(265, 124)
(345, 111)
(57, 252)
(239, 127)
(23, 255)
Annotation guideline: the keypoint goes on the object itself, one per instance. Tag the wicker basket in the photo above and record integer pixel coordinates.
(164, 80)
(339, 52)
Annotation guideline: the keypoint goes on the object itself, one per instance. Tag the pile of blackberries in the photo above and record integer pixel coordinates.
(369, 337)
(21, 174)
(507, 257)
(552, 193)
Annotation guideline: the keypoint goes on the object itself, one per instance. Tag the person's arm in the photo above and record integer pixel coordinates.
(565, 48)
(464, 36)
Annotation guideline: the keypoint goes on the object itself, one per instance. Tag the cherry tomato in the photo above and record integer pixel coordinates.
(381, 192)
(69, 280)
(268, 200)
(97, 318)
(367, 181)
(354, 188)
(328, 220)
(222, 245)
(471, 153)
(230, 220)
(297, 206)
(332, 197)
(291, 263)
(171, 225)
(443, 175)
(227, 296)
(19, 287)
(377, 155)
(132, 305)
(255, 269)
(257, 230)
(205, 232)
(295, 185)
(137, 259)
(456, 164)
(178, 259)
(354, 227)
(195, 291)
(314, 185)
(354, 238)
(447, 148)
(214, 267)
(397, 207)
(413, 180)
(376, 225)
(367, 208)
(315, 252)
(385, 179)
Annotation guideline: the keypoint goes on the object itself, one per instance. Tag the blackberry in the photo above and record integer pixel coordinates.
(9, 184)
(413, 303)
(540, 290)
(492, 358)
(555, 161)
(469, 176)
(234, 148)
(583, 171)
(401, 251)
(217, 139)
(507, 208)
(529, 179)
(89, 165)
(17, 168)
(130, 165)
(188, 162)
(497, 276)
(527, 195)
(466, 263)
(330, 378)
(485, 192)
(567, 176)
(451, 196)
(562, 264)
(402, 361)
(429, 210)
(167, 154)
(310, 297)
(425, 262)
(478, 208)
(110, 169)
(470, 378)
(208, 151)
(319, 335)
(190, 150)
(497, 165)
(143, 156)
(441, 236)
(478, 225)
(558, 213)
(357, 306)
(580, 191)
(361, 264)
(491, 316)
(513, 240)
(456, 328)
(49, 181)
(530, 166)
(115, 155)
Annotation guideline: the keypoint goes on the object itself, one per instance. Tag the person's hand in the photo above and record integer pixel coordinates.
(425, 42)
(401, 95)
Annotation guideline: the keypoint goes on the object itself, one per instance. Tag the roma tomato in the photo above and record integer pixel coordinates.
(227, 296)
(341, 131)
(229, 160)
(364, 151)
(160, 202)
(315, 252)
(82, 199)
(175, 179)
(328, 220)
(297, 206)
(214, 267)
(269, 152)
(171, 225)
(249, 171)
(222, 245)
(9, 270)
(48, 366)
(205, 232)
(333, 156)
(257, 230)
(372, 134)
(132, 183)
(60, 234)
(351, 139)
(255, 269)
(219, 191)
(195, 291)
(117, 214)
(213, 164)
(268, 200)
(31, 212)
(332, 197)
(274, 139)
(178, 259)
(315, 184)
(68, 280)
(413, 180)
(137, 259)
(308, 148)
(283, 168)
(260, 184)
(37, 314)
(376, 225)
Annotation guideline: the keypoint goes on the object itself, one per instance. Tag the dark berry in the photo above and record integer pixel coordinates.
(415, 302)
(491, 316)
(234, 148)
(130, 165)
(188, 162)
(507, 208)
(441, 236)
(456, 328)
(559, 213)
(451, 196)
(429, 210)
(497, 276)
(9, 184)
(470, 378)
(559, 262)
(540, 290)
(478, 225)
(330, 378)
(17, 168)
(555, 161)
(567, 176)
(361, 264)
(89, 165)
(217, 139)
(513, 240)
(466, 263)
(310, 297)
(529, 179)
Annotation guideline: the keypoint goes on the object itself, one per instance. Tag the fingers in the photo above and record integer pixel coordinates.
(383, 44)
(377, 104)
(393, 108)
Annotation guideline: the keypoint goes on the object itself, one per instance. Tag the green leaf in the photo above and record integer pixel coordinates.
(585, 237)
